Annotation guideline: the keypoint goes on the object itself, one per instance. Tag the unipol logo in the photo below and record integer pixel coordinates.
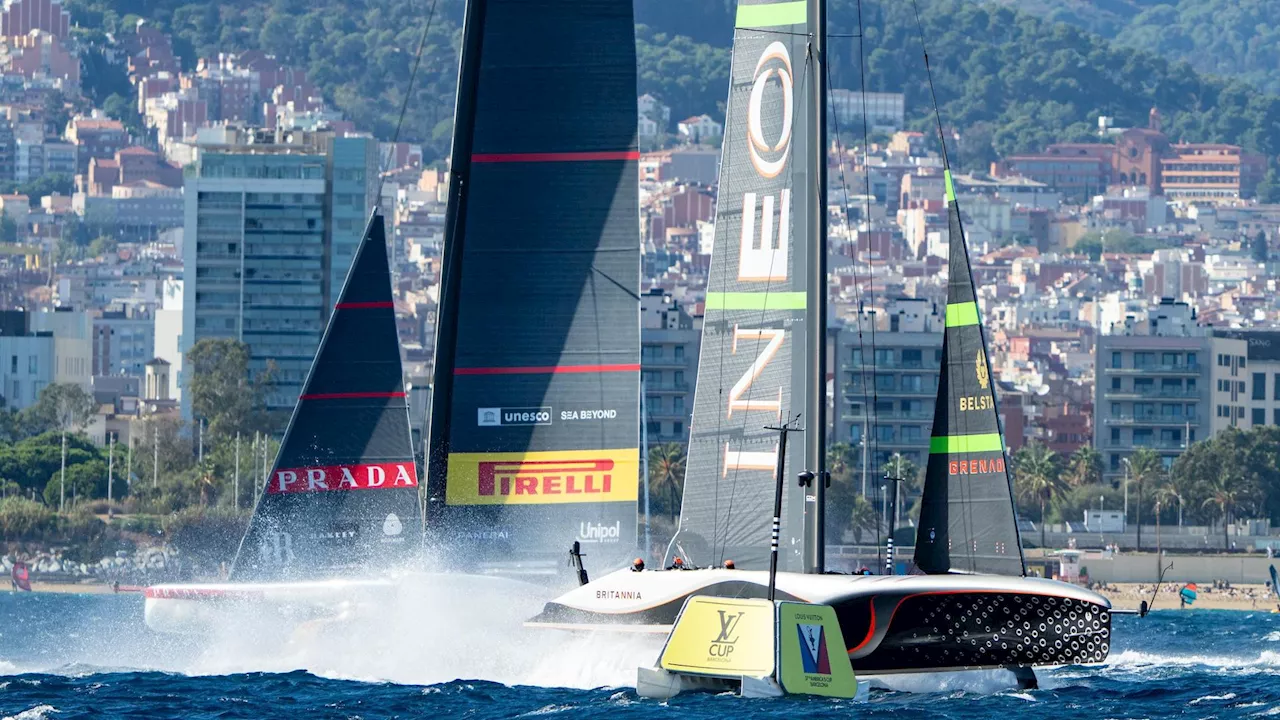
(276, 549)
(599, 532)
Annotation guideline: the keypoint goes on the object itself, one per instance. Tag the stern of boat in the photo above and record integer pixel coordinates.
(1028, 623)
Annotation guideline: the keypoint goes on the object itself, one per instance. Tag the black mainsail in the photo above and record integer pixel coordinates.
(343, 494)
(967, 517)
(534, 434)
(753, 368)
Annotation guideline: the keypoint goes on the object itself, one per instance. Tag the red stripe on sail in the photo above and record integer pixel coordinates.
(364, 305)
(555, 156)
(548, 369)
(371, 476)
(351, 395)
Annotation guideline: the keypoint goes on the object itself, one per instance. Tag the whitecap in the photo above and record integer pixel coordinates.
(39, 712)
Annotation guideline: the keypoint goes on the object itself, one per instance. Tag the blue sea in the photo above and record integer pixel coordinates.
(91, 656)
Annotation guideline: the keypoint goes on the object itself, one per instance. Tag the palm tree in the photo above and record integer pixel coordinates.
(1167, 493)
(1084, 467)
(1224, 493)
(1037, 477)
(863, 518)
(666, 473)
(841, 458)
(1145, 466)
(906, 471)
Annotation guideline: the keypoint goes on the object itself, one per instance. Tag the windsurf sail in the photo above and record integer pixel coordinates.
(343, 494)
(534, 426)
(752, 369)
(21, 576)
(967, 518)
(1275, 585)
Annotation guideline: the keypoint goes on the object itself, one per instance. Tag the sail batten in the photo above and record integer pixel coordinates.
(968, 522)
(342, 497)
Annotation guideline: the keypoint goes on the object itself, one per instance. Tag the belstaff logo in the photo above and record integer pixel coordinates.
(980, 367)
(769, 158)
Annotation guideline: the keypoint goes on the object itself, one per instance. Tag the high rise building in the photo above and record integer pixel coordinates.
(1154, 374)
(886, 383)
(669, 342)
(272, 222)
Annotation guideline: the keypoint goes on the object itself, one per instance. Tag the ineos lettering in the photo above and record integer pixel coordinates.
(774, 338)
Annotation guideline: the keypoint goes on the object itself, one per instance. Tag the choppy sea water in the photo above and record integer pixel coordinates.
(81, 656)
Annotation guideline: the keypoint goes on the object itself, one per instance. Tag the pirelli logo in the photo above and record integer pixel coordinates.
(542, 478)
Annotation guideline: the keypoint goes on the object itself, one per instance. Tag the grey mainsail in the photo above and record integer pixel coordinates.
(752, 369)
(534, 433)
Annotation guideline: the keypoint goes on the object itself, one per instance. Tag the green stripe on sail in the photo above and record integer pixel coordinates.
(755, 301)
(961, 314)
(951, 188)
(985, 442)
(772, 14)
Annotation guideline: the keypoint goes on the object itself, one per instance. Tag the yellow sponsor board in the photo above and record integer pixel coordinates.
(543, 478)
(814, 660)
(722, 636)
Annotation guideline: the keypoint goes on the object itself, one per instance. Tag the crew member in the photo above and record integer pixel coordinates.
(728, 565)
(637, 565)
(677, 564)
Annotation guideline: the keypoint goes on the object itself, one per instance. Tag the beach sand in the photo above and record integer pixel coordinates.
(86, 587)
(1253, 598)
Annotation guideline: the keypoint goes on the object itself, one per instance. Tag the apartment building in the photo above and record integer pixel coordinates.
(669, 341)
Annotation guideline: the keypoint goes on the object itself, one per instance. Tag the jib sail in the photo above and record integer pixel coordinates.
(343, 495)
(534, 428)
(967, 517)
(752, 368)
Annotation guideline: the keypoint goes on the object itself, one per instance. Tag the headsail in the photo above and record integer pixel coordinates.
(343, 495)
(752, 367)
(967, 517)
(534, 437)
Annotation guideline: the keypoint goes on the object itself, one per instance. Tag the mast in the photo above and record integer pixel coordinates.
(816, 316)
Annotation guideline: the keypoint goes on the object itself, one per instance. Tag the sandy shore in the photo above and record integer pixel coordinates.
(1254, 598)
(87, 587)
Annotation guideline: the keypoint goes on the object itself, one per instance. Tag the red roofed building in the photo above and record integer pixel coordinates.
(20, 17)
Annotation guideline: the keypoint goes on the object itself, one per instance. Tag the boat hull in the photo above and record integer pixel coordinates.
(891, 624)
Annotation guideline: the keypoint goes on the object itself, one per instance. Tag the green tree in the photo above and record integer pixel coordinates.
(102, 245)
(1258, 248)
(61, 406)
(1037, 477)
(862, 518)
(1084, 467)
(1224, 494)
(1145, 468)
(1090, 244)
(222, 391)
(842, 463)
(8, 229)
(85, 481)
(666, 476)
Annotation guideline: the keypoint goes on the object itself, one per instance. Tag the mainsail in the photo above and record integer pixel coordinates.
(967, 517)
(752, 369)
(343, 495)
(534, 435)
